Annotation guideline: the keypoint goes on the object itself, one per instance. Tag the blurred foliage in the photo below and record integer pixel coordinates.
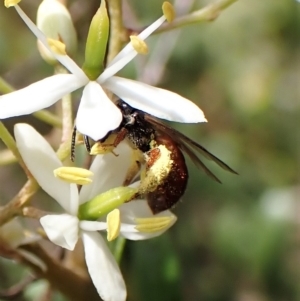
(243, 71)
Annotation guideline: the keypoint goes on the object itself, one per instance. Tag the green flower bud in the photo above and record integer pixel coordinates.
(54, 20)
(96, 43)
(105, 202)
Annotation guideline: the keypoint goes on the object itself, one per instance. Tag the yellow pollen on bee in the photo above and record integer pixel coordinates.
(74, 175)
(168, 11)
(158, 171)
(9, 3)
(153, 224)
(113, 224)
(139, 45)
(57, 47)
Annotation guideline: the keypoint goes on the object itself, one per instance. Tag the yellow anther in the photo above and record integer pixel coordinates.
(57, 47)
(75, 175)
(139, 45)
(113, 224)
(154, 224)
(9, 3)
(168, 11)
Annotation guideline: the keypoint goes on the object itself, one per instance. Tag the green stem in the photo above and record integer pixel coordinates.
(9, 141)
(208, 13)
(119, 247)
(48, 117)
(7, 157)
(5, 87)
(116, 28)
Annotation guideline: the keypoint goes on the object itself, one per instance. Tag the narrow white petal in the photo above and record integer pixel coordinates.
(92, 225)
(103, 268)
(97, 114)
(109, 172)
(127, 53)
(140, 209)
(41, 160)
(63, 59)
(37, 96)
(74, 200)
(155, 101)
(61, 229)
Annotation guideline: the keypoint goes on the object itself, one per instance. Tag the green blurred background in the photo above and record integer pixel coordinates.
(235, 241)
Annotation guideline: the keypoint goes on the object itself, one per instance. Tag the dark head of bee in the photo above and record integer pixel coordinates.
(147, 133)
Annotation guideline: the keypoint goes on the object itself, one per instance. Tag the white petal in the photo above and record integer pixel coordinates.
(155, 101)
(140, 209)
(37, 96)
(109, 172)
(63, 59)
(74, 200)
(128, 52)
(103, 268)
(97, 114)
(61, 229)
(92, 225)
(41, 160)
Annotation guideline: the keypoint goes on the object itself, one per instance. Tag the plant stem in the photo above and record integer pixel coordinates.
(119, 248)
(208, 13)
(9, 141)
(116, 28)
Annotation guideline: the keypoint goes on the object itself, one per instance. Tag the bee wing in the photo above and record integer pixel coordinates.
(198, 162)
(185, 143)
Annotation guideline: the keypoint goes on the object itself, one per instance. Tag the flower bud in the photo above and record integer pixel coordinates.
(54, 20)
(105, 202)
(96, 43)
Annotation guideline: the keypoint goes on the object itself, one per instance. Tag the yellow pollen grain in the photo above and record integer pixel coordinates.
(74, 175)
(168, 11)
(113, 224)
(57, 47)
(139, 45)
(9, 3)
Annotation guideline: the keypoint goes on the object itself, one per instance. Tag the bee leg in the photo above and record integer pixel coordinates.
(87, 143)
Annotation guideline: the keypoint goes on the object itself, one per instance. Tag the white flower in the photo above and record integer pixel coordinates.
(65, 229)
(97, 114)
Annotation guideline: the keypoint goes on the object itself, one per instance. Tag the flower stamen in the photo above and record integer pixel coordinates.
(9, 3)
(139, 45)
(57, 47)
(153, 224)
(75, 175)
(113, 224)
(168, 11)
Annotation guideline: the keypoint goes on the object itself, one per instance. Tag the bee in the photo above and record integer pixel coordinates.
(166, 175)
